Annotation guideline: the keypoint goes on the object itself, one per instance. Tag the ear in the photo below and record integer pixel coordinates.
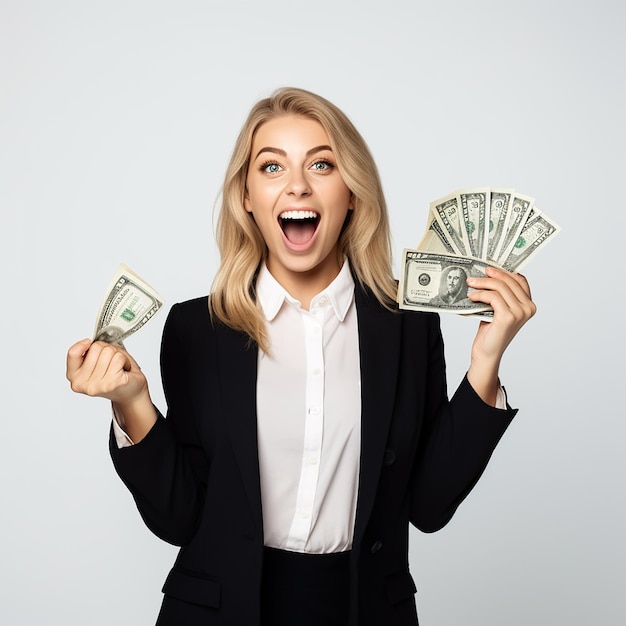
(351, 202)
(246, 202)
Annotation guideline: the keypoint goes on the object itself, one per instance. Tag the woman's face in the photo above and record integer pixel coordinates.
(298, 199)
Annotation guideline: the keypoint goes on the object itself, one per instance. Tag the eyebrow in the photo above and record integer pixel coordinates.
(284, 154)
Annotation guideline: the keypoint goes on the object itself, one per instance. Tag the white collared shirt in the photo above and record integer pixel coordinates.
(309, 417)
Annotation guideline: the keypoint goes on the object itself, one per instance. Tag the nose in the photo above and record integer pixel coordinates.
(298, 185)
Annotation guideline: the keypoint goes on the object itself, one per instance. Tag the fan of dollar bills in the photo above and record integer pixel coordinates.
(467, 231)
(129, 304)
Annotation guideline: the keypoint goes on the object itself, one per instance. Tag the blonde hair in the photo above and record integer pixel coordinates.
(365, 239)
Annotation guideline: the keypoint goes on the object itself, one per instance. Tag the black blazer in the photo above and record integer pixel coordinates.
(195, 476)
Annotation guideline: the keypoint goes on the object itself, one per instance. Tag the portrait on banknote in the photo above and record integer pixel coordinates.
(452, 287)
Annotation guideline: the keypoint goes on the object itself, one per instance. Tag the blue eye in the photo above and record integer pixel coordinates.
(271, 167)
(322, 166)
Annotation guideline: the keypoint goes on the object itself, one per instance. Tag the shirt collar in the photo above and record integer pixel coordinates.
(271, 294)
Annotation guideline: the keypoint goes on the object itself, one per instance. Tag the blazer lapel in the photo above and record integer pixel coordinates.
(379, 345)
(237, 362)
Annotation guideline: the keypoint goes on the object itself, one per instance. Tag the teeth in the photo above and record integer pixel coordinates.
(298, 215)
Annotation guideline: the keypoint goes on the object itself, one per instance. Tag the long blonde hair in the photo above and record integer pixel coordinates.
(365, 239)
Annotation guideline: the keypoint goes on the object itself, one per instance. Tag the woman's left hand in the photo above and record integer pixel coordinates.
(509, 297)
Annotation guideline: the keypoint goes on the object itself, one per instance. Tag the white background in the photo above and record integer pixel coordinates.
(116, 123)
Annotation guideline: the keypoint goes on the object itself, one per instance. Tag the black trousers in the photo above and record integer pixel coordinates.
(304, 589)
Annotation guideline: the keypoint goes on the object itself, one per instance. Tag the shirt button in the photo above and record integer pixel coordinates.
(390, 457)
(376, 546)
(323, 300)
(315, 410)
(313, 460)
(317, 371)
(306, 513)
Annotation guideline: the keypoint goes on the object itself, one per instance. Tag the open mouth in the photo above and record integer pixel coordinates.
(299, 226)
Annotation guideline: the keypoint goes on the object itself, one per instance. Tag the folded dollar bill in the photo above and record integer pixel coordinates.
(470, 229)
(129, 304)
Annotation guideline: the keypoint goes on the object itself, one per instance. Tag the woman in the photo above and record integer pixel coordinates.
(308, 420)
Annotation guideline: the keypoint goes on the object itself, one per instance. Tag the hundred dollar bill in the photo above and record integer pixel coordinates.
(437, 282)
(447, 212)
(499, 207)
(519, 210)
(475, 205)
(129, 304)
(538, 230)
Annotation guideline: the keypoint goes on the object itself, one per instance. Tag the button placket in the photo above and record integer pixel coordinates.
(313, 432)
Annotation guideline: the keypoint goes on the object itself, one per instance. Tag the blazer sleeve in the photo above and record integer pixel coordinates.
(457, 441)
(166, 471)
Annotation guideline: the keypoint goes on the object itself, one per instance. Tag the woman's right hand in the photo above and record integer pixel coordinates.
(105, 370)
